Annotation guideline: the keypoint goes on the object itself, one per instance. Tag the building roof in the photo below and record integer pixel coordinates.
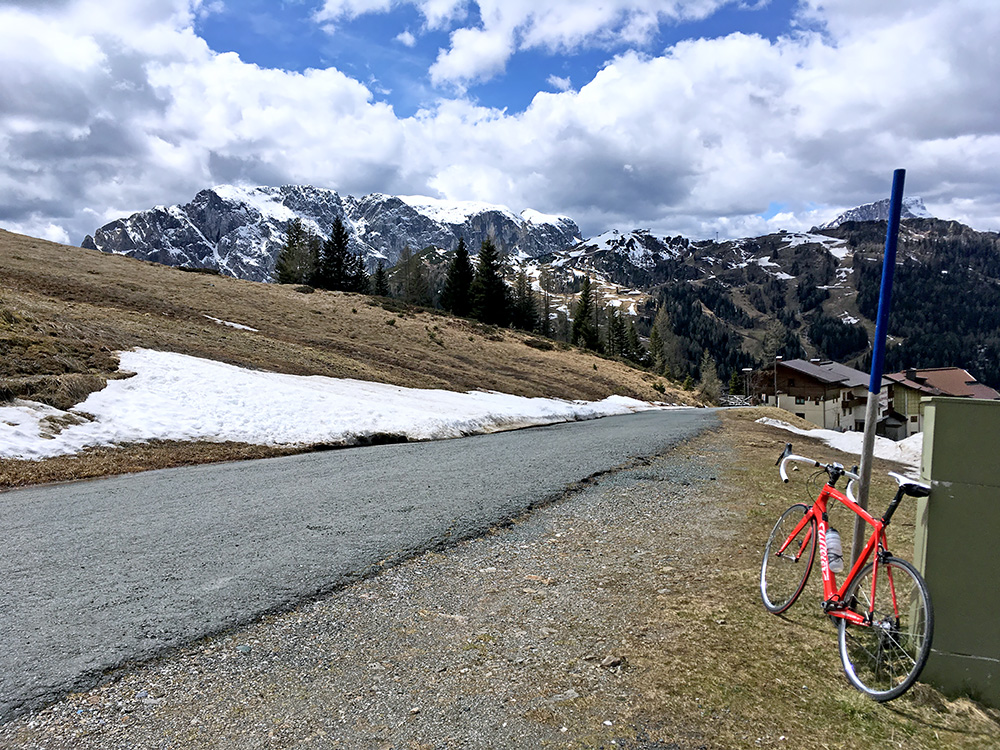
(944, 381)
(832, 373)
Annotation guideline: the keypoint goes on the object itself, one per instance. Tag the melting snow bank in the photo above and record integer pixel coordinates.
(177, 397)
(905, 451)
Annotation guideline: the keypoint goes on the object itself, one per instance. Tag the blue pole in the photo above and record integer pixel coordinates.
(885, 292)
(878, 357)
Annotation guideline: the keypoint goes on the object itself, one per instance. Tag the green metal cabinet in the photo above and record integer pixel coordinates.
(957, 544)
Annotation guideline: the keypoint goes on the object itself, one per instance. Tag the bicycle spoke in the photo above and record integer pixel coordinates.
(783, 576)
(884, 657)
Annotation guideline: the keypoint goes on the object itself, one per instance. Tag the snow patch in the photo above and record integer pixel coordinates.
(906, 451)
(230, 324)
(265, 203)
(453, 212)
(179, 397)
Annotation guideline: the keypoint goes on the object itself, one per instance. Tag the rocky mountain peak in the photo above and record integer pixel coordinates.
(913, 208)
(240, 230)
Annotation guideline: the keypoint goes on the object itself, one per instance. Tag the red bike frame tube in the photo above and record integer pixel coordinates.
(831, 593)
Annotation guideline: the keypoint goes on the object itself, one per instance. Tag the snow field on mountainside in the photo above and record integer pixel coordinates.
(178, 397)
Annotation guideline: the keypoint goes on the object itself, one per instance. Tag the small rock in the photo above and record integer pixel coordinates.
(569, 695)
(611, 660)
(243, 648)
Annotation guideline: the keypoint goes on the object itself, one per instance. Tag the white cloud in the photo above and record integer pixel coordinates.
(114, 106)
(335, 10)
(558, 83)
(475, 54)
(406, 39)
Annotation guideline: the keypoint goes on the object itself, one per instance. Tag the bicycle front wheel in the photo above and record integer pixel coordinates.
(783, 576)
(884, 658)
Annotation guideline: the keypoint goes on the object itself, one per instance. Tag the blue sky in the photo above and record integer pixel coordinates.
(693, 117)
(285, 35)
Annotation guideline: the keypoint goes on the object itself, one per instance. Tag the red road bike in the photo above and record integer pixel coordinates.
(882, 609)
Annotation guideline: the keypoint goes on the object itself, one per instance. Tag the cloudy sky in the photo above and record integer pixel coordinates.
(682, 116)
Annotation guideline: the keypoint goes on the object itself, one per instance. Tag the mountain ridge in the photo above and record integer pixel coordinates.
(912, 208)
(239, 231)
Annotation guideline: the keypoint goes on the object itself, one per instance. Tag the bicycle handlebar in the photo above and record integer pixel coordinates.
(788, 456)
(793, 457)
(907, 486)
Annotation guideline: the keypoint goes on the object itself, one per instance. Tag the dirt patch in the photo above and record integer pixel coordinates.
(102, 462)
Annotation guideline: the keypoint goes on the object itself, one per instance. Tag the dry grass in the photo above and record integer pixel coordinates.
(717, 665)
(65, 311)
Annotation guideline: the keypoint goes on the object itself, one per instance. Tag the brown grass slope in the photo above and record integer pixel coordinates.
(65, 311)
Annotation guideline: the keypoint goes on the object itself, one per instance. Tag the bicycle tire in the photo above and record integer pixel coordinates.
(783, 577)
(885, 658)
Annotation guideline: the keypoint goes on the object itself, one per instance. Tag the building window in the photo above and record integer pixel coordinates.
(791, 382)
(799, 400)
(913, 419)
(800, 415)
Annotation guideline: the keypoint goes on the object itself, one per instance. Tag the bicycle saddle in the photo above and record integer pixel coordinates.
(911, 487)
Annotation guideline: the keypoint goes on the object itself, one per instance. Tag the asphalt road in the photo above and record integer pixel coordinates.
(99, 574)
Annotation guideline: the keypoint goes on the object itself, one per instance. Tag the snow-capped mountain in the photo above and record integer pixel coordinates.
(239, 230)
(913, 208)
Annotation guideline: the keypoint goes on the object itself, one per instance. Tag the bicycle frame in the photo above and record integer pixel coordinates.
(833, 597)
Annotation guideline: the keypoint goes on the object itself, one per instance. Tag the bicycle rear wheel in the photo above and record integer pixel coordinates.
(885, 658)
(782, 577)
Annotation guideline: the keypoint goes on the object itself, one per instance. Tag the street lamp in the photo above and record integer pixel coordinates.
(746, 381)
(777, 359)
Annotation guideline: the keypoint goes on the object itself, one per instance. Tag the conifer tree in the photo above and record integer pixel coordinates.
(420, 285)
(456, 295)
(357, 275)
(294, 264)
(334, 265)
(545, 282)
(584, 331)
(674, 359)
(655, 349)
(380, 281)
(404, 273)
(315, 251)
(617, 332)
(734, 383)
(633, 346)
(709, 386)
(525, 310)
(491, 298)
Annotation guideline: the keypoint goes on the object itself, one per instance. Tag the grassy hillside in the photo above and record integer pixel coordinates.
(65, 311)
